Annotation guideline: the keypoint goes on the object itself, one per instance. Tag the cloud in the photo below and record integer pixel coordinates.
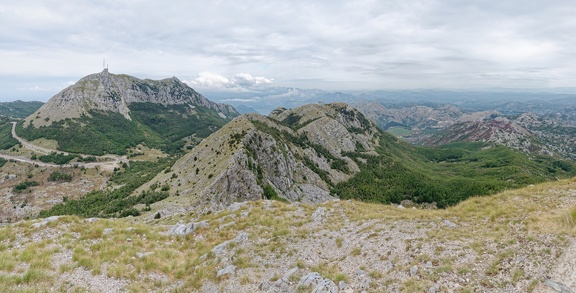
(240, 81)
(245, 79)
(334, 44)
(211, 80)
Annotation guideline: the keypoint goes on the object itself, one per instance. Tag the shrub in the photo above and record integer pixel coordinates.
(24, 185)
(57, 176)
(129, 212)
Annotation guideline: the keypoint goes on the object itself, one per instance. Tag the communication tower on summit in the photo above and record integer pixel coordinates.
(104, 65)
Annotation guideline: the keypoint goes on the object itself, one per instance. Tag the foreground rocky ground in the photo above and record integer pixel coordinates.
(516, 241)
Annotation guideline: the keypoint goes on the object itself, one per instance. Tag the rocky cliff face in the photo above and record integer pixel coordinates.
(500, 131)
(293, 154)
(114, 93)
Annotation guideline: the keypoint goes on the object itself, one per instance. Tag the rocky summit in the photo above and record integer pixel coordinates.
(109, 92)
(292, 155)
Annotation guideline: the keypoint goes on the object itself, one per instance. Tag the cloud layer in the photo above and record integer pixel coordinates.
(240, 81)
(364, 44)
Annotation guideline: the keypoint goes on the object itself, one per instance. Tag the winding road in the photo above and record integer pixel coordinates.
(107, 161)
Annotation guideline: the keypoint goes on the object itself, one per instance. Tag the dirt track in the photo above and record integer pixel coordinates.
(108, 161)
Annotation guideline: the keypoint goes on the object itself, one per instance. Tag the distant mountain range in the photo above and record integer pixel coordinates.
(266, 99)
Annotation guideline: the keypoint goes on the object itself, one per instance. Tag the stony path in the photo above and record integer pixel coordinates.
(111, 161)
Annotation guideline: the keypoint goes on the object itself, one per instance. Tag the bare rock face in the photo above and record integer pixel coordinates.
(294, 154)
(500, 131)
(114, 93)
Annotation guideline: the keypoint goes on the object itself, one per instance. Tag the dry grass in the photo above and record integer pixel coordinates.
(129, 249)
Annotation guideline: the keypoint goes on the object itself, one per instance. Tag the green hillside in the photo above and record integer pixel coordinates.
(445, 175)
(155, 125)
(19, 109)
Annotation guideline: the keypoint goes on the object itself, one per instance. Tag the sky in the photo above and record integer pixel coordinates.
(47, 45)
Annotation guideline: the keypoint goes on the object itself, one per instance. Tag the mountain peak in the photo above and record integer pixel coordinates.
(294, 154)
(107, 92)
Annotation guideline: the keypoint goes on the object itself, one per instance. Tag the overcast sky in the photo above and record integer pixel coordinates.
(45, 45)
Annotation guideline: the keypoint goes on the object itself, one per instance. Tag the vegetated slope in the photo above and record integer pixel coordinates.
(527, 132)
(19, 109)
(509, 242)
(311, 152)
(295, 155)
(107, 113)
(6, 139)
(116, 201)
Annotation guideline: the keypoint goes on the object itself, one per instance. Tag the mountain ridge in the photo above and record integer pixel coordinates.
(255, 157)
(105, 91)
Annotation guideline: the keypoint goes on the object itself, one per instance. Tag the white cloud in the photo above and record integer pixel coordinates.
(240, 82)
(211, 80)
(246, 79)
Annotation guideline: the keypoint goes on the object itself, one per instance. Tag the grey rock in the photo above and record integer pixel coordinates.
(557, 286)
(326, 286)
(290, 272)
(310, 279)
(45, 221)
(413, 270)
(342, 285)
(241, 237)
(265, 285)
(280, 286)
(221, 249)
(229, 270)
(434, 288)
(363, 279)
(107, 231)
(236, 206)
(389, 266)
(450, 224)
(318, 215)
(184, 229)
(319, 284)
